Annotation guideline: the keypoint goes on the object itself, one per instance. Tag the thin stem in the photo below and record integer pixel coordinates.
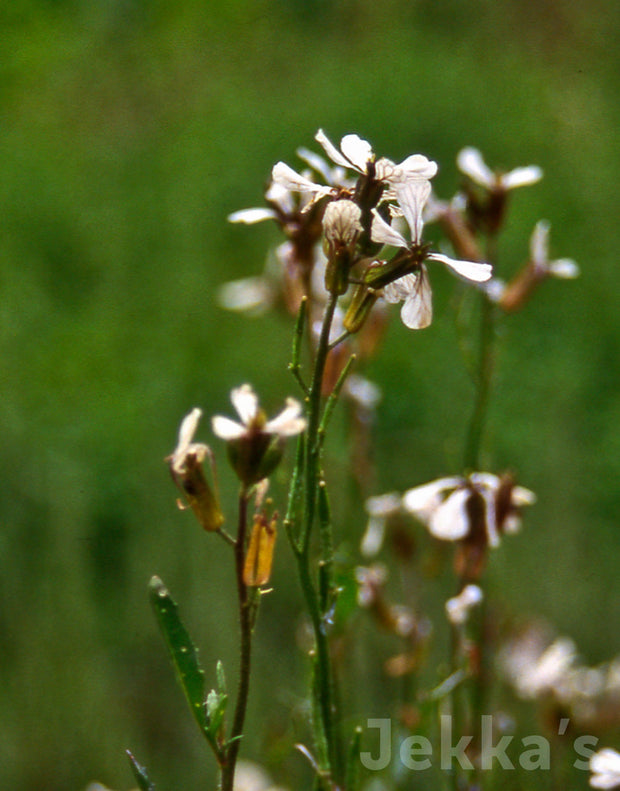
(325, 730)
(245, 624)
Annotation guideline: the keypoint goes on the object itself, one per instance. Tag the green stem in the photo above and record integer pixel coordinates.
(325, 731)
(245, 624)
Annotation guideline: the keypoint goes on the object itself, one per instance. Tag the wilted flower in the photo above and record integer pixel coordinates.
(255, 445)
(470, 162)
(458, 607)
(405, 278)
(605, 768)
(187, 472)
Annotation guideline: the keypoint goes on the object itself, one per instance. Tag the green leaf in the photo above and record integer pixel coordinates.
(182, 651)
(139, 772)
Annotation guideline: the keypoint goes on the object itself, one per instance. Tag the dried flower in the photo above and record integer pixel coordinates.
(255, 445)
(187, 472)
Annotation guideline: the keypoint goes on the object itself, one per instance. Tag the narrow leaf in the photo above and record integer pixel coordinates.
(182, 651)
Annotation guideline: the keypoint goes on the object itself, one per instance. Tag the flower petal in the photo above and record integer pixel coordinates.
(470, 162)
(564, 268)
(331, 150)
(450, 521)
(357, 151)
(400, 289)
(383, 232)
(412, 196)
(287, 423)
(251, 216)
(417, 310)
(225, 428)
(521, 177)
(245, 401)
(283, 174)
(469, 270)
(422, 500)
(539, 244)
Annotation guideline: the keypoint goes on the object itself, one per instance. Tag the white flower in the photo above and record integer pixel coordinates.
(185, 447)
(442, 505)
(413, 288)
(605, 768)
(457, 608)
(286, 177)
(253, 421)
(470, 162)
(539, 255)
(357, 154)
(534, 672)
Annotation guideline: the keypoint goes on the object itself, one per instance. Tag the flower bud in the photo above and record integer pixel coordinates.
(359, 308)
(341, 227)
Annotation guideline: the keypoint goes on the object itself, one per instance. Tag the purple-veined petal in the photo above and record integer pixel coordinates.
(412, 196)
(469, 270)
(400, 289)
(357, 151)
(285, 175)
(331, 150)
(417, 310)
(383, 232)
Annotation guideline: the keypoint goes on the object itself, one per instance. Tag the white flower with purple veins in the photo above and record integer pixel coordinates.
(470, 162)
(253, 420)
(564, 268)
(605, 768)
(413, 288)
(357, 154)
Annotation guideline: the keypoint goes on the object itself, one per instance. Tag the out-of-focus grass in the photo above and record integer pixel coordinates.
(129, 131)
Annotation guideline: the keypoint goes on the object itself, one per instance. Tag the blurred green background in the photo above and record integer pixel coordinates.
(129, 130)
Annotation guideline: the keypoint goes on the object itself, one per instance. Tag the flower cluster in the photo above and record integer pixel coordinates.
(344, 230)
